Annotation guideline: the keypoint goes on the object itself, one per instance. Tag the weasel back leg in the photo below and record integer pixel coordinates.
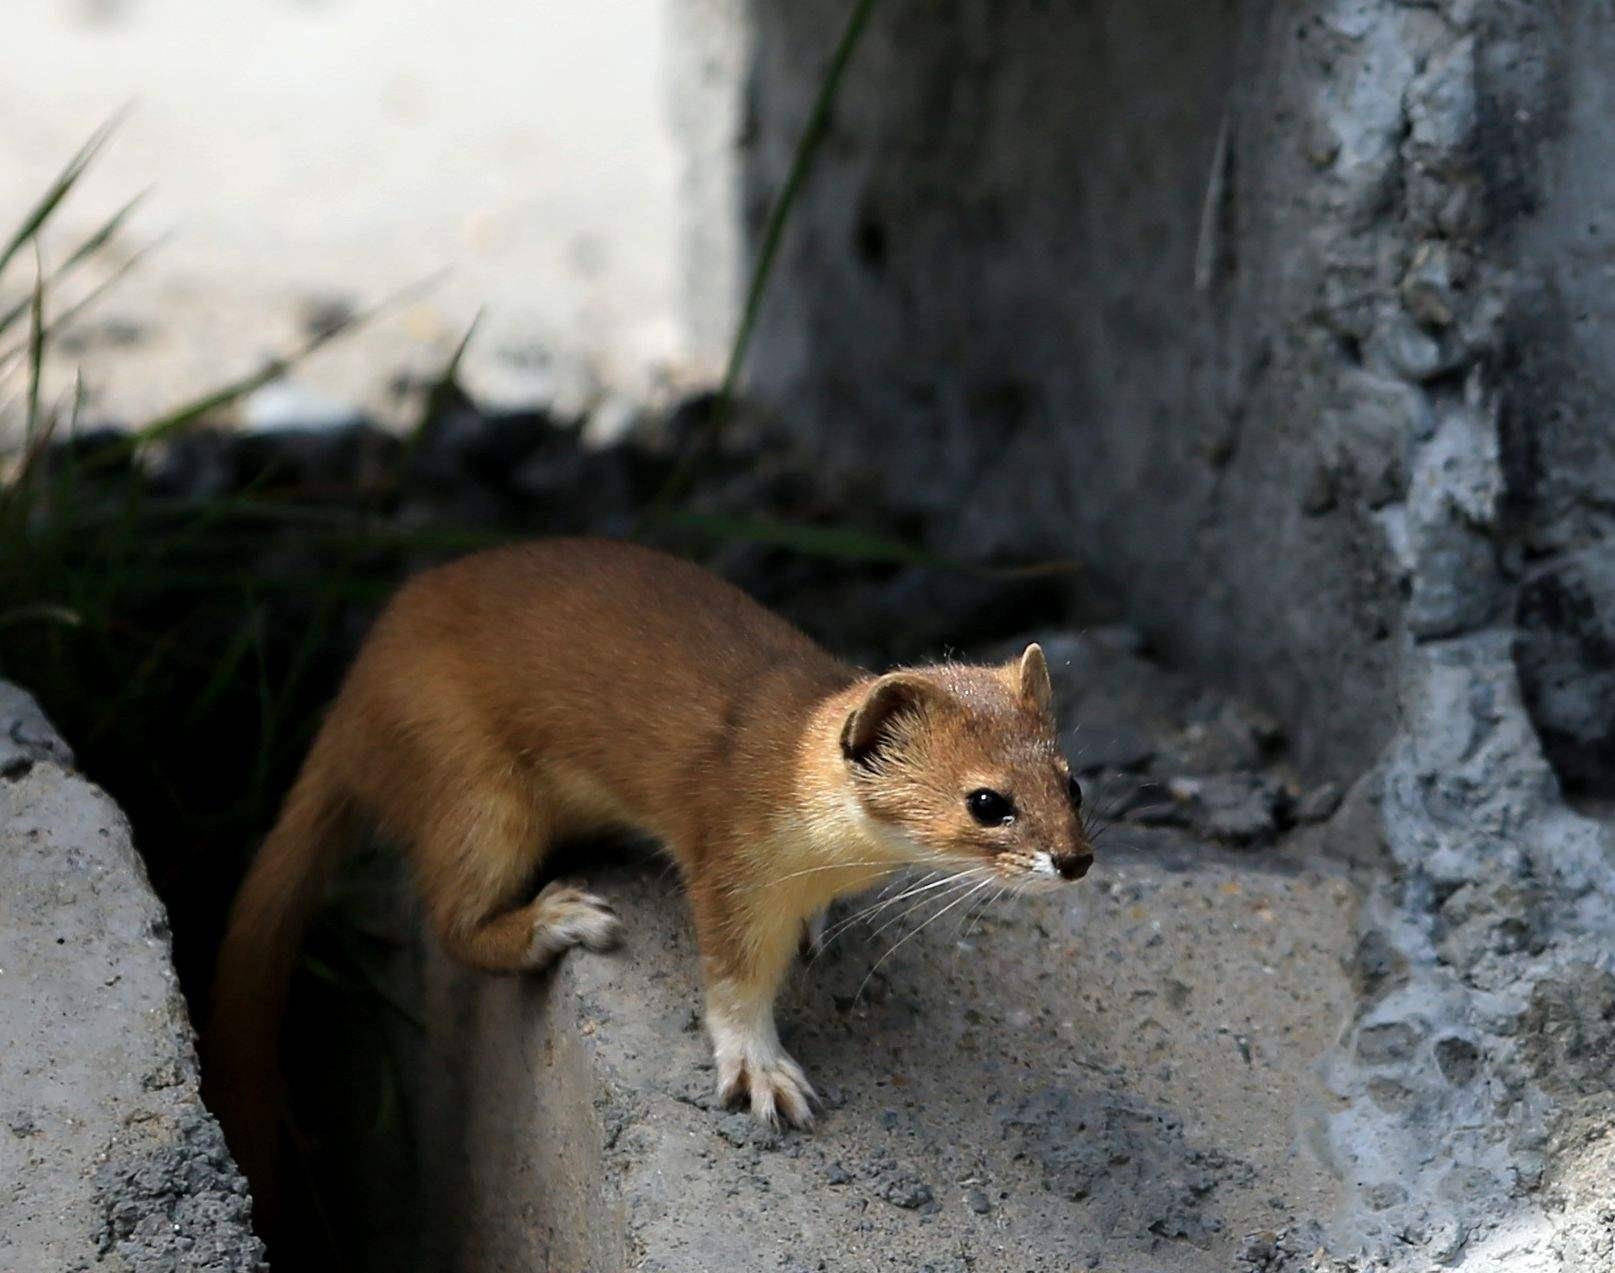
(476, 857)
(562, 917)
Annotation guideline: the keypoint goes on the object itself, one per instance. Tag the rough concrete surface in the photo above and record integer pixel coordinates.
(1081, 1081)
(107, 1157)
(1560, 351)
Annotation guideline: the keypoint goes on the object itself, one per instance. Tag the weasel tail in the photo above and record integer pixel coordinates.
(241, 1077)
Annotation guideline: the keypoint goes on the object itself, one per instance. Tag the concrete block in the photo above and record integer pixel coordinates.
(107, 1157)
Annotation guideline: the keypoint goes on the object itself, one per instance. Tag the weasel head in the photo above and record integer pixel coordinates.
(962, 764)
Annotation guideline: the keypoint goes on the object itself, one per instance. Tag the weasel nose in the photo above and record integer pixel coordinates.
(1073, 866)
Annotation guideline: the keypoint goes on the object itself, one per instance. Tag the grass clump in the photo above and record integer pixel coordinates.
(146, 621)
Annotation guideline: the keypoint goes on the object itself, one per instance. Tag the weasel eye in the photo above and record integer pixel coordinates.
(1074, 788)
(990, 808)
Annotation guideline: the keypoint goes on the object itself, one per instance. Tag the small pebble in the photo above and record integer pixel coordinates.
(1319, 804)
(906, 1192)
(736, 1129)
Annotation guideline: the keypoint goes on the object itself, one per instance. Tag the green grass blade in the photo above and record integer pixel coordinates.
(225, 671)
(41, 612)
(440, 395)
(98, 239)
(70, 315)
(136, 687)
(56, 192)
(779, 215)
(218, 399)
(36, 359)
(339, 525)
(80, 397)
(104, 234)
(314, 637)
(266, 708)
(322, 971)
(451, 370)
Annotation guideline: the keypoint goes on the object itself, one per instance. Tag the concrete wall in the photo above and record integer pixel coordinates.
(1170, 285)
(106, 1152)
(1557, 379)
(1090, 278)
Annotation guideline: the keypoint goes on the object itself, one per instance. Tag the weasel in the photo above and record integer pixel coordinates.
(530, 693)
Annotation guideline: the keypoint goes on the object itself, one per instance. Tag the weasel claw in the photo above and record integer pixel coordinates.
(778, 1092)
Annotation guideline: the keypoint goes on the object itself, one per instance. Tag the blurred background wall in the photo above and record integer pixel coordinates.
(310, 154)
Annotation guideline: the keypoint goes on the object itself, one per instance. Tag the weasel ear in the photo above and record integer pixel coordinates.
(869, 725)
(1035, 685)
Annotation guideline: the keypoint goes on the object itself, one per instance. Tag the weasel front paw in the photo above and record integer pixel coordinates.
(775, 1087)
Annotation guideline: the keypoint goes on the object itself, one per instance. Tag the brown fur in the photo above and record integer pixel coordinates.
(535, 692)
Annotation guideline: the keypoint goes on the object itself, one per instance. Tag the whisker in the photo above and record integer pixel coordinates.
(981, 911)
(876, 907)
(912, 884)
(965, 897)
(830, 866)
(955, 878)
(998, 897)
(904, 877)
(842, 926)
(973, 909)
(964, 878)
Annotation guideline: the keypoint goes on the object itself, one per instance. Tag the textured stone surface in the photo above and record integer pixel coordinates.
(1177, 287)
(1067, 1082)
(1551, 93)
(107, 1157)
(1076, 278)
